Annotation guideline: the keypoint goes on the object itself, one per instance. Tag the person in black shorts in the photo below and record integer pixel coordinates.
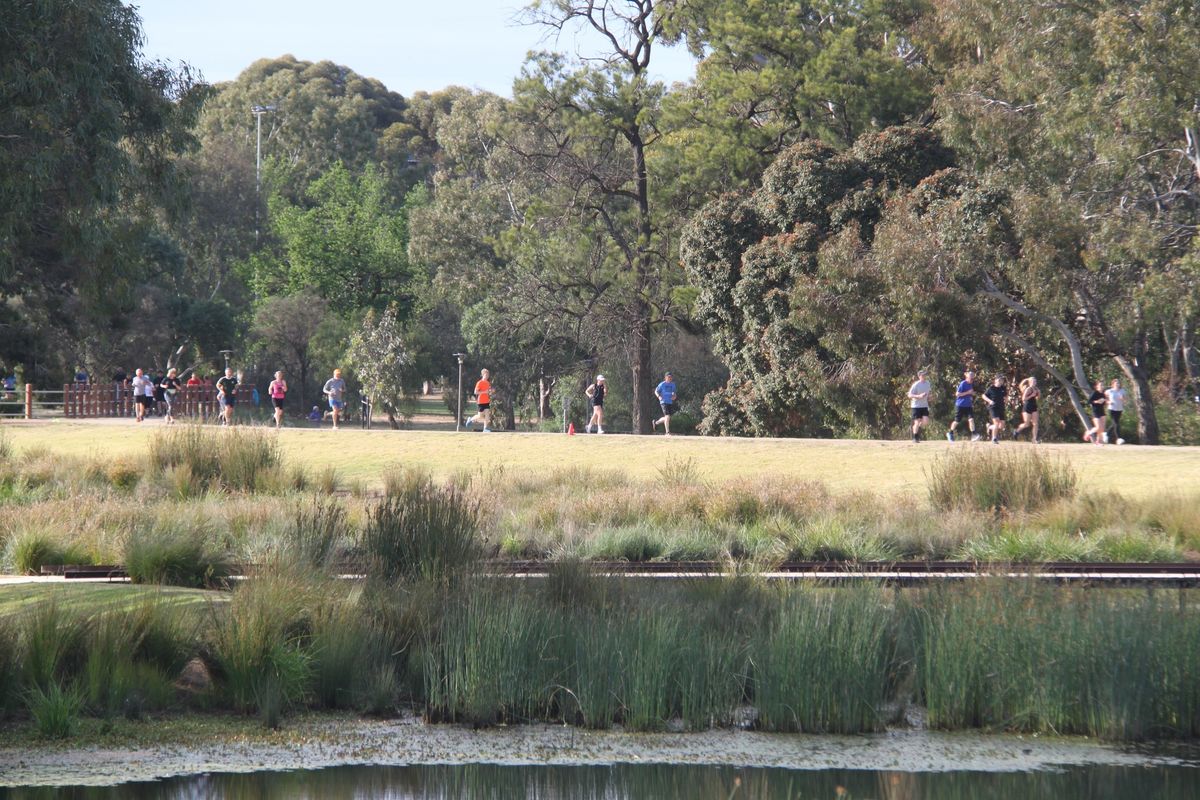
(1099, 404)
(995, 397)
(227, 395)
(596, 393)
(1028, 392)
(964, 406)
(918, 398)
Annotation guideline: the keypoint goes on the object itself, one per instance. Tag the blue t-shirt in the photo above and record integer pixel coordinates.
(969, 400)
(666, 391)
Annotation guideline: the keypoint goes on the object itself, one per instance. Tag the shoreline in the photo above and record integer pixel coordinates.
(316, 741)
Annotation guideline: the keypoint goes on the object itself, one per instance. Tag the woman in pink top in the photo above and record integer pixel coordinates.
(278, 391)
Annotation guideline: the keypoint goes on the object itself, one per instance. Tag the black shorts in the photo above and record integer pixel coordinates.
(918, 413)
(227, 400)
(277, 402)
(597, 404)
(143, 400)
(1031, 406)
(484, 406)
(667, 408)
(963, 413)
(997, 412)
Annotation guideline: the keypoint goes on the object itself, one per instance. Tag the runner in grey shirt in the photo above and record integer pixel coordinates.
(918, 395)
(335, 389)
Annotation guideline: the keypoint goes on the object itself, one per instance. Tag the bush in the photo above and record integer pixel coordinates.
(237, 459)
(130, 656)
(985, 479)
(176, 553)
(51, 643)
(423, 531)
(55, 710)
(29, 551)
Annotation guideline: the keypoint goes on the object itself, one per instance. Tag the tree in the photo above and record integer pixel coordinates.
(383, 361)
(285, 327)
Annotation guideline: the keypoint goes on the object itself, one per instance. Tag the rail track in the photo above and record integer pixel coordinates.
(834, 573)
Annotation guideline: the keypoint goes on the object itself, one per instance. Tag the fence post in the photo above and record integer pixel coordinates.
(29, 401)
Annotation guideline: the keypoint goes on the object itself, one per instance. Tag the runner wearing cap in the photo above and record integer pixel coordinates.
(665, 392)
(595, 393)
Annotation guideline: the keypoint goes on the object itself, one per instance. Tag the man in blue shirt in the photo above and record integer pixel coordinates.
(665, 392)
(964, 406)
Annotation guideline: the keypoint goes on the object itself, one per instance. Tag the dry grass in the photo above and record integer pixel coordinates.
(841, 465)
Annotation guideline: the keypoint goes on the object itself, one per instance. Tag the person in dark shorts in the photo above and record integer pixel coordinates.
(995, 397)
(918, 399)
(483, 397)
(666, 394)
(595, 393)
(169, 386)
(227, 395)
(278, 392)
(1098, 402)
(1116, 406)
(1028, 393)
(964, 406)
(143, 393)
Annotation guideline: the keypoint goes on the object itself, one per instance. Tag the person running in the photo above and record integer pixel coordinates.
(918, 398)
(483, 396)
(169, 386)
(596, 393)
(278, 392)
(964, 406)
(1098, 402)
(335, 390)
(227, 395)
(995, 397)
(666, 394)
(143, 393)
(1116, 406)
(1028, 393)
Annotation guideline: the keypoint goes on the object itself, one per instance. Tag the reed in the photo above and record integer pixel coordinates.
(992, 479)
(177, 552)
(55, 710)
(423, 531)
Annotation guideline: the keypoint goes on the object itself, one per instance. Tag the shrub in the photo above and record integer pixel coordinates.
(327, 481)
(984, 479)
(677, 472)
(55, 710)
(51, 643)
(319, 528)
(29, 551)
(130, 655)
(237, 459)
(176, 553)
(123, 473)
(425, 530)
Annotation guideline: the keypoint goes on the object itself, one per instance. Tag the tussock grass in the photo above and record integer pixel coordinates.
(55, 710)
(177, 552)
(422, 530)
(986, 479)
(235, 459)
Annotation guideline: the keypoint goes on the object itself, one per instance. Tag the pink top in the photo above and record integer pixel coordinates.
(276, 390)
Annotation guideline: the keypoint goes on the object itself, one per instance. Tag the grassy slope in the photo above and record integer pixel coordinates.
(843, 465)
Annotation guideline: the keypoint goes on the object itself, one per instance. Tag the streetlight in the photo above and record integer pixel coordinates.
(458, 416)
(258, 112)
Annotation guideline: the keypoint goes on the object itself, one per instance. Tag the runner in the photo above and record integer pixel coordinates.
(918, 396)
(995, 397)
(335, 390)
(227, 395)
(143, 393)
(596, 393)
(1098, 401)
(278, 391)
(665, 392)
(169, 387)
(1028, 393)
(483, 396)
(1116, 405)
(964, 406)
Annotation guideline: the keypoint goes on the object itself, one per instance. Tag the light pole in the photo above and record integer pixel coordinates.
(458, 416)
(258, 112)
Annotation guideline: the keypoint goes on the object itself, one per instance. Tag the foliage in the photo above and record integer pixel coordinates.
(236, 460)
(55, 710)
(424, 531)
(983, 480)
(177, 552)
(383, 359)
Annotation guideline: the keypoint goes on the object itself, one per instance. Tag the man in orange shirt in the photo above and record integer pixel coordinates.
(483, 395)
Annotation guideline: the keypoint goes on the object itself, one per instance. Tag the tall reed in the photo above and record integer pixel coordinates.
(993, 479)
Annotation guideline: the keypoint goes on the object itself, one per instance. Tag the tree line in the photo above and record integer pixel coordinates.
(843, 193)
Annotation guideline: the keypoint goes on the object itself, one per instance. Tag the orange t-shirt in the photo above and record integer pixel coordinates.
(482, 391)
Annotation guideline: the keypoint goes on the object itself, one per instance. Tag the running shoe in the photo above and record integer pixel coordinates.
(949, 436)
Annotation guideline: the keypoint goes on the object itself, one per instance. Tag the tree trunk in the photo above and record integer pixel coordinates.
(1139, 381)
(545, 390)
(643, 395)
(1187, 345)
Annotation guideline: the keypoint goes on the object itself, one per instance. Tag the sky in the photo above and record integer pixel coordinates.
(410, 45)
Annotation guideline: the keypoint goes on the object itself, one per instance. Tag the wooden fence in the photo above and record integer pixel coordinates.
(81, 401)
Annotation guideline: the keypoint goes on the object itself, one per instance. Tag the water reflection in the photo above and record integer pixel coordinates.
(489, 782)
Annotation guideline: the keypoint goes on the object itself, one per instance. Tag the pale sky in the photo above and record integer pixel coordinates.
(410, 45)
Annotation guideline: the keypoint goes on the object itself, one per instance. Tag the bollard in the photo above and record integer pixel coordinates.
(29, 401)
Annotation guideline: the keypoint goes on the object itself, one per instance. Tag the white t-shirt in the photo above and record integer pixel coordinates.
(922, 388)
(143, 386)
(1116, 399)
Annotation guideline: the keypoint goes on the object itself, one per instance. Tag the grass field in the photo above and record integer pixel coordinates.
(99, 596)
(842, 465)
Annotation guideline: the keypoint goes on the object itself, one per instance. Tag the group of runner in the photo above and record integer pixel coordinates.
(596, 391)
(1104, 403)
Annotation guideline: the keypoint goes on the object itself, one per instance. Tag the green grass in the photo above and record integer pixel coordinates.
(101, 597)
(841, 465)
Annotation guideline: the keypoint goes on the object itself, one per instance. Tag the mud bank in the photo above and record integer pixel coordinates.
(315, 742)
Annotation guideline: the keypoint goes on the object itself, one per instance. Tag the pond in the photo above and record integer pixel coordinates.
(616, 782)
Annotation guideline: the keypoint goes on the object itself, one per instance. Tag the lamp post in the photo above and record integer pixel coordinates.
(458, 416)
(258, 112)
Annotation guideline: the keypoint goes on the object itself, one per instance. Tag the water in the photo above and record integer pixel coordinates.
(653, 782)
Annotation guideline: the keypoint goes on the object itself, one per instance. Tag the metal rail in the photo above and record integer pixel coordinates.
(897, 573)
